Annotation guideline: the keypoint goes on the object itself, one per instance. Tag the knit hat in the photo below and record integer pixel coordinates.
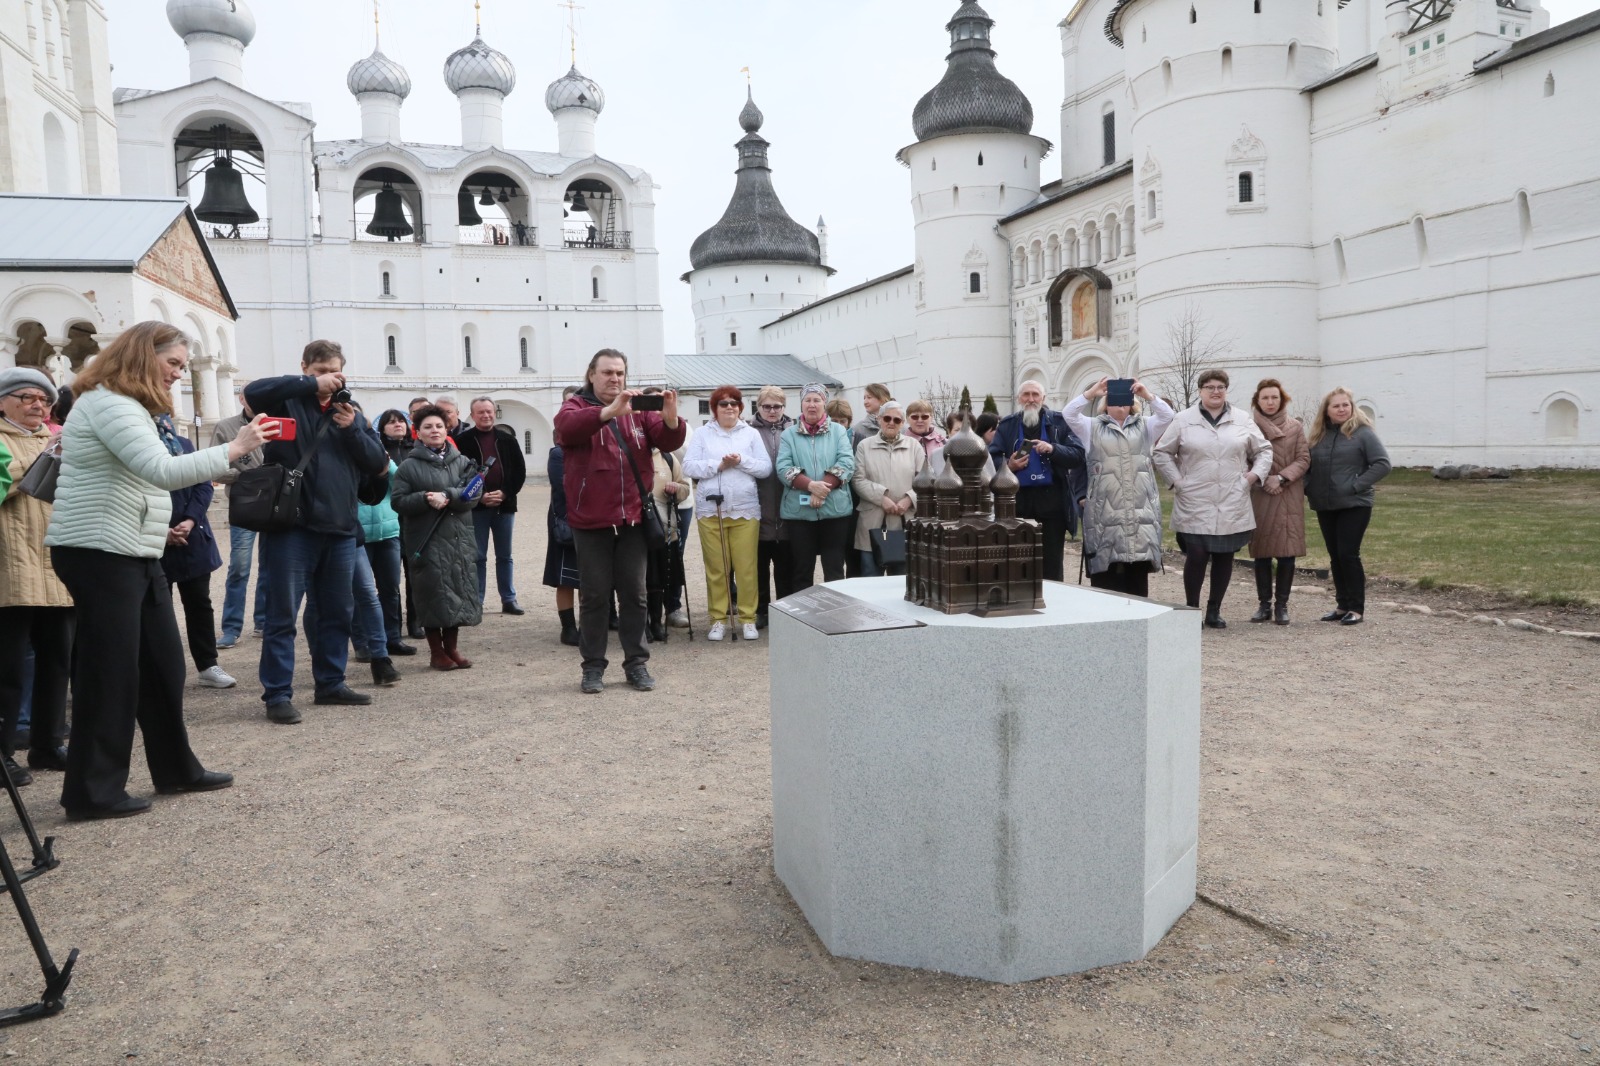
(814, 387)
(16, 378)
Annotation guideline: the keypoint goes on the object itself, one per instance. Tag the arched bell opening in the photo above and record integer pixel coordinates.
(493, 208)
(591, 212)
(220, 168)
(388, 206)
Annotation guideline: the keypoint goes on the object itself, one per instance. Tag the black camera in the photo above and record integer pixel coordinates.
(342, 396)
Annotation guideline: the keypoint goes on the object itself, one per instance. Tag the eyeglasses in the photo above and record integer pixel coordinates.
(887, 421)
(772, 407)
(28, 398)
(729, 403)
(921, 418)
(1213, 388)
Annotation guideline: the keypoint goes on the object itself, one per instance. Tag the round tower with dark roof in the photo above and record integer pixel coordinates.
(975, 160)
(756, 264)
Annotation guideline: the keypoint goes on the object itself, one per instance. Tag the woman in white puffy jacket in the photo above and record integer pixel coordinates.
(726, 458)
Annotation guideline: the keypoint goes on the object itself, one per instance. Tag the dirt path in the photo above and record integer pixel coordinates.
(1399, 831)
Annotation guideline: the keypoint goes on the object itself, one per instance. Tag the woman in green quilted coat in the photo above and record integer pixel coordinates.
(444, 560)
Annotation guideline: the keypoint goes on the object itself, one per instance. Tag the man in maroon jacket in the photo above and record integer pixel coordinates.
(604, 509)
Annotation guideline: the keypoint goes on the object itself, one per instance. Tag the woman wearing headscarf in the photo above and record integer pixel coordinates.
(816, 464)
(1122, 507)
(1279, 502)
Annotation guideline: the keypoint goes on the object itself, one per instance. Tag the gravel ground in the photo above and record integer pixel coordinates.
(1397, 865)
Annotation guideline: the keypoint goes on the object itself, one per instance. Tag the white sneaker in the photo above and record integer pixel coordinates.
(678, 619)
(717, 631)
(215, 677)
(751, 632)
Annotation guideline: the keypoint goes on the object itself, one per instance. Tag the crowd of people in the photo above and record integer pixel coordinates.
(397, 514)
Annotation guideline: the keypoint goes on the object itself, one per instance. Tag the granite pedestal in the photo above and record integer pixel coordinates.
(1005, 798)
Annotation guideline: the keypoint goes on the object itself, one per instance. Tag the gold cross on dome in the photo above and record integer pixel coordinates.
(572, 26)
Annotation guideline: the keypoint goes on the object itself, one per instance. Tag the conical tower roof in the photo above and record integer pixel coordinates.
(973, 96)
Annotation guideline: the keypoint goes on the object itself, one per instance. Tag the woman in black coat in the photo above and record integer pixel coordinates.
(560, 556)
(188, 562)
(436, 534)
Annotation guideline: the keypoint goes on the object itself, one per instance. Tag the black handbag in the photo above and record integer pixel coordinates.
(40, 480)
(888, 547)
(655, 534)
(266, 498)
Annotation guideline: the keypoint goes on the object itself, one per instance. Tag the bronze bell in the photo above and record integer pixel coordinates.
(224, 200)
(487, 199)
(388, 217)
(579, 203)
(466, 210)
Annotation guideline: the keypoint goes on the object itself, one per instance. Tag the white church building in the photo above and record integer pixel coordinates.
(1402, 199)
(444, 270)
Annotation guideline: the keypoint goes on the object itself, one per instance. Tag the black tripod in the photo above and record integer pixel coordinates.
(56, 979)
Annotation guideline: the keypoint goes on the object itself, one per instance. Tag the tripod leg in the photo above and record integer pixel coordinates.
(55, 979)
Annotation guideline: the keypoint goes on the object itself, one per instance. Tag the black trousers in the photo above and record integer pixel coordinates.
(776, 568)
(131, 672)
(612, 560)
(48, 631)
(1264, 585)
(199, 620)
(1130, 578)
(827, 537)
(1043, 505)
(1342, 531)
(1195, 561)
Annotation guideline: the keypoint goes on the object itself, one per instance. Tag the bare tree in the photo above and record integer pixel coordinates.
(944, 396)
(1193, 345)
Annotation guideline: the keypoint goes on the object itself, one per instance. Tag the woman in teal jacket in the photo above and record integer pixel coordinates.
(816, 462)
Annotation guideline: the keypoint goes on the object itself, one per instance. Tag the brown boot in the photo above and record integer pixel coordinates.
(461, 661)
(438, 658)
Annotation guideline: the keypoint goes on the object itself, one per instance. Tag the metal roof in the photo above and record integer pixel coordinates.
(442, 157)
(704, 372)
(1538, 42)
(91, 233)
(973, 96)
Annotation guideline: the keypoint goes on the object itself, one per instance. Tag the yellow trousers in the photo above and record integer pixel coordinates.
(744, 549)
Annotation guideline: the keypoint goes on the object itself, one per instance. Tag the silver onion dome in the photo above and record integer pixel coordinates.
(378, 73)
(574, 90)
(230, 18)
(477, 66)
(973, 96)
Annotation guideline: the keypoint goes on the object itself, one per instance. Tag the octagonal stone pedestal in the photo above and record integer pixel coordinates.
(1003, 798)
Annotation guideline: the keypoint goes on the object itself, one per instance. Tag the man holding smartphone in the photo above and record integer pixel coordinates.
(318, 555)
(1048, 460)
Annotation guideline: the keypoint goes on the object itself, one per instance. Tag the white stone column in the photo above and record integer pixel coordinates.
(1127, 234)
(227, 394)
(1083, 250)
(206, 404)
(9, 345)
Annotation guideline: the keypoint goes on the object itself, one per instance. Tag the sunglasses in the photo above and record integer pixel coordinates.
(921, 418)
(729, 403)
(772, 407)
(890, 421)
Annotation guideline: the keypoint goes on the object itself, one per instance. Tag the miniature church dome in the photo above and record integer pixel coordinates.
(574, 90)
(228, 18)
(378, 74)
(973, 96)
(477, 66)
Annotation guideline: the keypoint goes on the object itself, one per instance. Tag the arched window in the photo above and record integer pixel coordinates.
(733, 340)
(597, 283)
(1420, 232)
(975, 282)
(1549, 84)
(58, 175)
(1227, 66)
(527, 442)
(466, 353)
(387, 289)
(393, 350)
(522, 351)
(1166, 75)
(1193, 18)
(1108, 136)
(1524, 219)
(1561, 420)
(1338, 259)
(1247, 187)
(1150, 204)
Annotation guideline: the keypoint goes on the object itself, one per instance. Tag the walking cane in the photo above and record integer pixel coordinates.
(727, 565)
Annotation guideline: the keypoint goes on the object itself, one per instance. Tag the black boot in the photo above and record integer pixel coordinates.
(1280, 614)
(569, 628)
(658, 625)
(1263, 613)
(1214, 616)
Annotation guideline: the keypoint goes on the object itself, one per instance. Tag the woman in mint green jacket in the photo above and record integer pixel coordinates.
(107, 532)
(815, 462)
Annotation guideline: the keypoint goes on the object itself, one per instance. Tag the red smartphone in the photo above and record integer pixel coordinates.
(287, 427)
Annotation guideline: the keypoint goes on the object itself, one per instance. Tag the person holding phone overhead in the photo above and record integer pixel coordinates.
(1047, 458)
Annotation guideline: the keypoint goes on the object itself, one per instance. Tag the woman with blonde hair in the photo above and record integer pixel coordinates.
(107, 534)
(1347, 460)
(1278, 502)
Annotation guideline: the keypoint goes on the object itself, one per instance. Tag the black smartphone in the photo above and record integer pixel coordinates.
(654, 402)
(1119, 392)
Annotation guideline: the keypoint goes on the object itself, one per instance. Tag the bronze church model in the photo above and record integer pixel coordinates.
(959, 559)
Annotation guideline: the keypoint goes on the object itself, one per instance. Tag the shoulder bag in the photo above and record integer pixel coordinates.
(655, 534)
(888, 548)
(266, 498)
(40, 480)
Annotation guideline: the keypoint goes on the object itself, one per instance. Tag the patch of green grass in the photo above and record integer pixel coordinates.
(1536, 536)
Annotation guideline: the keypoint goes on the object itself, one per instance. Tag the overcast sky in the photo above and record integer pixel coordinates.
(837, 80)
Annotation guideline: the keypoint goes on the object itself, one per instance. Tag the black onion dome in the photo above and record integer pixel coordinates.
(973, 96)
(755, 228)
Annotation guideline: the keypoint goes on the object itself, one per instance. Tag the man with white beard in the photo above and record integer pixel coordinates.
(1048, 460)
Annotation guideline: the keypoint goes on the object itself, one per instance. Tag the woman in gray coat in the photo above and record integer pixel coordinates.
(1347, 460)
(436, 533)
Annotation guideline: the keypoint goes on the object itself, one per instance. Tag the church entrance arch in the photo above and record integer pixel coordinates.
(1089, 312)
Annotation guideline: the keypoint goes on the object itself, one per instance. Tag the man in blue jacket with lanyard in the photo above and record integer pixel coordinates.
(318, 555)
(1048, 460)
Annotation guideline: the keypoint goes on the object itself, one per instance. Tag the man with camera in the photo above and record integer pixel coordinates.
(606, 431)
(1048, 460)
(318, 555)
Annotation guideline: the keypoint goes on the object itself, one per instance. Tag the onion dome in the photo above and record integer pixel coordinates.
(574, 90)
(973, 96)
(378, 74)
(477, 66)
(229, 18)
(755, 228)
(966, 452)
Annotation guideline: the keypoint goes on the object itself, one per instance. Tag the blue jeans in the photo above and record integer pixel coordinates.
(297, 563)
(384, 557)
(487, 520)
(367, 630)
(869, 565)
(241, 545)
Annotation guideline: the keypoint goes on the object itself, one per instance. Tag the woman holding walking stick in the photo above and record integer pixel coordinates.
(726, 458)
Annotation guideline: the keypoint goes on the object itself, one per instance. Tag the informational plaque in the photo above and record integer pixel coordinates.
(834, 613)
